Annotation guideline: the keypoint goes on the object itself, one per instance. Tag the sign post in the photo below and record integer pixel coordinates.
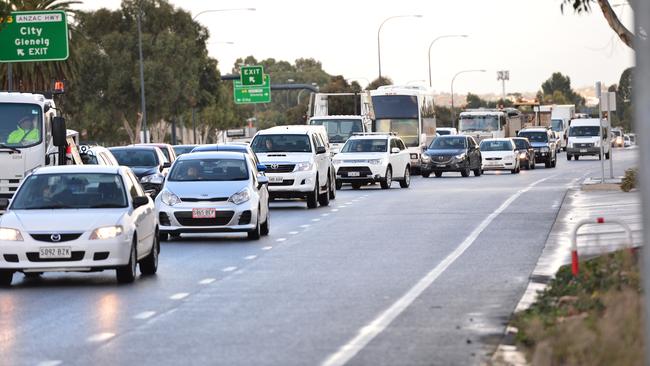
(608, 103)
(29, 36)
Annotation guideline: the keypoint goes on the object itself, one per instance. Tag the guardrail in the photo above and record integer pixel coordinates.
(575, 268)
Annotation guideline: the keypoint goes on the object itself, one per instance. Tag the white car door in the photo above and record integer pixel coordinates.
(321, 160)
(404, 155)
(395, 159)
(144, 217)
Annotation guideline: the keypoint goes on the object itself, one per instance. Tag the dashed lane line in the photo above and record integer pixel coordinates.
(207, 281)
(145, 315)
(250, 257)
(179, 296)
(100, 337)
(229, 269)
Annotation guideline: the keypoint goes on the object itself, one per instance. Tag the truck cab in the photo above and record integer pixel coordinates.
(341, 128)
(490, 123)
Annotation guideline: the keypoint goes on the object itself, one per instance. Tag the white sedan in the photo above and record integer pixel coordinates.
(500, 154)
(79, 219)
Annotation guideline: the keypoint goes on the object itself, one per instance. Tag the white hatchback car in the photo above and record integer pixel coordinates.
(214, 192)
(79, 219)
(373, 157)
(500, 154)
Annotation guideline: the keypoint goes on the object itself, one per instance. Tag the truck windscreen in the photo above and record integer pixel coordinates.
(21, 124)
(396, 106)
(470, 123)
(339, 130)
(557, 125)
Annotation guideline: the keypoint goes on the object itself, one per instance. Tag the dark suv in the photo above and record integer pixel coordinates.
(543, 141)
(452, 153)
(526, 152)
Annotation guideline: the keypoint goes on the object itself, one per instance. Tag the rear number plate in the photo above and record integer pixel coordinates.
(204, 213)
(353, 174)
(54, 252)
(275, 179)
(583, 150)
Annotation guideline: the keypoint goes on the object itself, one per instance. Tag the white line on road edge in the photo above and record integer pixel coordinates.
(293, 232)
(179, 296)
(229, 269)
(50, 363)
(325, 214)
(100, 337)
(281, 240)
(250, 257)
(370, 331)
(305, 226)
(267, 248)
(315, 220)
(145, 315)
(335, 210)
(207, 281)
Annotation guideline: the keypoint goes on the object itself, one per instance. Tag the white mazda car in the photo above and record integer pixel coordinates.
(79, 218)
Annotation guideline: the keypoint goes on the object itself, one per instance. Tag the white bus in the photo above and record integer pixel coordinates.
(407, 111)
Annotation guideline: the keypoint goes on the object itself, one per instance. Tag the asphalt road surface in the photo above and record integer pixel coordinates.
(421, 276)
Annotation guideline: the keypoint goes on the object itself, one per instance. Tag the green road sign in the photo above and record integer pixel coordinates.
(253, 94)
(252, 75)
(34, 36)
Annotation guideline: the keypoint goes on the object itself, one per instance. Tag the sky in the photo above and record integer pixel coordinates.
(530, 38)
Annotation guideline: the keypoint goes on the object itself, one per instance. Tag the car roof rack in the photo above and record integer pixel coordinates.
(373, 133)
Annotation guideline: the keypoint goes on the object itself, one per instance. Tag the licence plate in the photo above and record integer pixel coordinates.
(441, 165)
(583, 150)
(354, 174)
(204, 213)
(275, 179)
(54, 252)
(491, 163)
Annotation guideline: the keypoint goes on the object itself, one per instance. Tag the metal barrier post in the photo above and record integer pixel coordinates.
(575, 267)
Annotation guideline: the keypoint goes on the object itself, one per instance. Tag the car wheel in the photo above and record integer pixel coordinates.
(437, 174)
(406, 181)
(324, 199)
(568, 157)
(312, 198)
(333, 188)
(127, 273)
(547, 164)
(533, 164)
(426, 174)
(477, 172)
(356, 186)
(6, 277)
(266, 226)
(607, 156)
(255, 233)
(386, 182)
(163, 236)
(339, 184)
(465, 172)
(149, 265)
(577, 157)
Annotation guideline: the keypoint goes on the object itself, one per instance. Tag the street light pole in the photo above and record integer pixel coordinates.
(434, 41)
(453, 116)
(143, 101)
(220, 10)
(379, 31)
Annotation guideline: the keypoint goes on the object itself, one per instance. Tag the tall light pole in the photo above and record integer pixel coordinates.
(453, 116)
(379, 31)
(434, 41)
(143, 100)
(503, 76)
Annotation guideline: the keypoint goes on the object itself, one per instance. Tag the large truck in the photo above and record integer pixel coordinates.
(32, 135)
(490, 123)
(561, 116)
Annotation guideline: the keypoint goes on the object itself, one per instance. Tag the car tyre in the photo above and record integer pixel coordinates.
(149, 265)
(477, 172)
(388, 180)
(465, 172)
(547, 164)
(356, 186)
(426, 174)
(266, 226)
(406, 181)
(577, 157)
(339, 184)
(437, 174)
(568, 157)
(127, 273)
(312, 198)
(333, 188)
(163, 236)
(6, 277)
(324, 199)
(607, 156)
(255, 234)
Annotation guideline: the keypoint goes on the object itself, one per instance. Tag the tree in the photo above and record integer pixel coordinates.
(474, 101)
(624, 108)
(584, 6)
(384, 80)
(557, 89)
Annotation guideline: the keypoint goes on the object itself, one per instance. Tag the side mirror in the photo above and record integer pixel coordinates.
(140, 201)
(261, 181)
(261, 168)
(321, 150)
(395, 150)
(59, 132)
(165, 165)
(150, 192)
(4, 203)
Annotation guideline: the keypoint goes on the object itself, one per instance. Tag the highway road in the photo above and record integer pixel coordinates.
(421, 276)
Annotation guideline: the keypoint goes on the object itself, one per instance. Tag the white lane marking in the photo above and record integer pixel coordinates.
(335, 210)
(315, 220)
(348, 203)
(207, 281)
(229, 269)
(305, 226)
(370, 331)
(145, 315)
(50, 363)
(250, 257)
(100, 337)
(293, 232)
(267, 248)
(281, 240)
(179, 296)
(325, 214)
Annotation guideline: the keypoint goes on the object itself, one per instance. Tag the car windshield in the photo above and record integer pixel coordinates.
(70, 190)
(281, 143)
(165, 152)
(215, 170)
(496, 145)
(520, 144)
(584, 131)
(338, 131)
(365, 146)
(534, 136)
(448, 143)
(136, 158)
(20, 124)
(407, 129)
(184, 149)
(616, 132)
(470, 123)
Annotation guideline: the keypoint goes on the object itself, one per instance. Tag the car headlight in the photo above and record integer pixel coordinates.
(240, 197)
(597, 143)
(8, 234)
(107, 232)
(460, 156)
(425, 157)
(304, 166)
(153, 179)
(169, 198)
(544, 149)
(522, 155)
(509, 158)
(376, 161)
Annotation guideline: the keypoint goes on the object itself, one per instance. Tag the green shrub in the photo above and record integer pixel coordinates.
(629, 181)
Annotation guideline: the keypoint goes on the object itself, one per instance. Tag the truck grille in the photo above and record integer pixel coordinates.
(279, 168)
(583, 145)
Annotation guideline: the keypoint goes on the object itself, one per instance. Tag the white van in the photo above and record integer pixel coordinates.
(585, 139)
(298, 163)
